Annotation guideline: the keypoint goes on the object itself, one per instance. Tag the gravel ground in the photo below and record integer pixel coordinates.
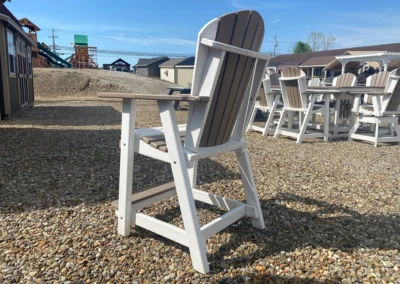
(332, 210)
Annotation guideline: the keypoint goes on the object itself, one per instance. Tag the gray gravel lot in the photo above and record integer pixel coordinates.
(332, 210)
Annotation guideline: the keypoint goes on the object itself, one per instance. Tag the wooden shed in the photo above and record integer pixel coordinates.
(16, 74)
(149, 67)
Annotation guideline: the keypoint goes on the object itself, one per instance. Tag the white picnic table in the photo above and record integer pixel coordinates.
(339, 93)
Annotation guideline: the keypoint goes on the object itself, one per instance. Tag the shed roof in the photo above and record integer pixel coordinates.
(7, 13)
(320, 61)
(119, 60)
(187, 62)
(303, 57)
(7, 16)
(146, 62)
(172, 62)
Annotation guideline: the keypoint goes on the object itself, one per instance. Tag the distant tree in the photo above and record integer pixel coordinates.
(318, 41)
(300, 47)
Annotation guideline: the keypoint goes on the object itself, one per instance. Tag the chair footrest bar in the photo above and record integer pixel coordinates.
(148, 197)
(223, 221)
(162, 228)
(222, 202)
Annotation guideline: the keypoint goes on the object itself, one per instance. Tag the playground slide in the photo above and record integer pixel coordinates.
(55, 56)
(50, 60)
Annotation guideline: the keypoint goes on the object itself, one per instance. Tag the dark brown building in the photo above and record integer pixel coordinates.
(149, 67)
(16, 75)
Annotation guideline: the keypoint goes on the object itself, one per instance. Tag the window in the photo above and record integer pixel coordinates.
(11, 51)
(29, 61)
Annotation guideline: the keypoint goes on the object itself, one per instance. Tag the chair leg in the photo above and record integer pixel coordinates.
(270, 119)
(197, 243)
(250, 187)
(252, 117)
(354, 129)
(376, 133)
(280, 123)
(126, 167)
(192, 170)
(290, 119)
(306, 118)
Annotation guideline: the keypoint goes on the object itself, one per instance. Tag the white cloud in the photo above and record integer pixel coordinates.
(259, 5)
(276, 20)
(357, 36)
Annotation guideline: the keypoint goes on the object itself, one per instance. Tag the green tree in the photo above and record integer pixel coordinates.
(300, 47)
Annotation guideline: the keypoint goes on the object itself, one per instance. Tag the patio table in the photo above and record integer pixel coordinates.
(181, 90)
(339, 93)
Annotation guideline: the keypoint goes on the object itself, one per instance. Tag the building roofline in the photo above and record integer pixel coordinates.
(15, 26)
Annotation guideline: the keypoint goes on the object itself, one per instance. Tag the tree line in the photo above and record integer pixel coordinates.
(316, 41)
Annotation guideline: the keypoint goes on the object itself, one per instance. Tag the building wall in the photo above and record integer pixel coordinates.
(154, 70)
(170, 77)
(142, 71)
(184, 76)
(10, 88)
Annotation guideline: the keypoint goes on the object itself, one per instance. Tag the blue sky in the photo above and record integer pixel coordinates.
(172, 26)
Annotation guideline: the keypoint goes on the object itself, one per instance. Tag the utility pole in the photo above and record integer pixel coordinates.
(54, 41)
(275, 44)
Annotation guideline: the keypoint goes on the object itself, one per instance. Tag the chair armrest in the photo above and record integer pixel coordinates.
(370, 94)
(234, 49)
(162, 97)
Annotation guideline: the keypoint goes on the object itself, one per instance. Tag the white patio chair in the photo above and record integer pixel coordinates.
(269, 102)
(227, 76)
(315, 82)
(384, 109)
(295, 98)
(343, 110)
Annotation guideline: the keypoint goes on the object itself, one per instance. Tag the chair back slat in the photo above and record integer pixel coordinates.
(315, 82)
(292, 89)
(376, 80)
(274, 79)
(391, 103)
(344, 80)
(263, 97)
(268, 82)
(243, 29)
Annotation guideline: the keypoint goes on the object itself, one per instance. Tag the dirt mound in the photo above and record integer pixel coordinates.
(73, 82)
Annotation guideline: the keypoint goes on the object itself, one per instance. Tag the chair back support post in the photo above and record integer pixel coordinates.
(390, 104)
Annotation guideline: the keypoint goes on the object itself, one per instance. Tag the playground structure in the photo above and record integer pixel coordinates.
(42, 56)
(85, 55)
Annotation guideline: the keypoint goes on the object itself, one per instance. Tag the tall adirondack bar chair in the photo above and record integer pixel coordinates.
(227, 76)
(269, 102)
(385, 109)
(343, 110)
(295, 98)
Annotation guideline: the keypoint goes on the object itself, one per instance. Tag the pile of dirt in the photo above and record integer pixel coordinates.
(86, 82)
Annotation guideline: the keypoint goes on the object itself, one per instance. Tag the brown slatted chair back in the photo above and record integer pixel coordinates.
(263, 97)
(270, 80)
(378, 80)
(393, 86)
(345, 80)
(290, 88)
(244, 29)
(274, 79)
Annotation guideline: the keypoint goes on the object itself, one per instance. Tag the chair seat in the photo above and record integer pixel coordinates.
(331, 103)
(279, 106)
(366, 109)
(155, 136)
